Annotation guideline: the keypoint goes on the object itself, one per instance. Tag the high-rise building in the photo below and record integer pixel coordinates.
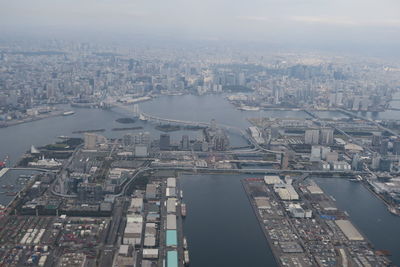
(315, 153)
(355, 162)
(385, 165)
(90, 140)
(339, 98)
(384, 147)
(356, 103)
(311, 137)
(185, 142)
(274, 132)
(396, 148)
(376, 139)
(90, 191)
(285, 160)
(220, 142)
(375, 161)
(324, 152)
(327, 136)
(142, 138)
(165, 142)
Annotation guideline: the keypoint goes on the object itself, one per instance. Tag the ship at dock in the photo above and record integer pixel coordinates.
(394, 210)
(183, 209)
(186, 257)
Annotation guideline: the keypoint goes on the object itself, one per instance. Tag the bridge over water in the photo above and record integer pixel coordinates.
(148, 117)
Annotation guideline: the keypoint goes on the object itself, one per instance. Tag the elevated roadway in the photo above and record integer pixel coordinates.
(148, 117)
(371, 121)
(33, 169)
(305, 173)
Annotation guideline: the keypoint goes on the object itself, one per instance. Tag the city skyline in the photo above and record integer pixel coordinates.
(199, 133)
(371, 26)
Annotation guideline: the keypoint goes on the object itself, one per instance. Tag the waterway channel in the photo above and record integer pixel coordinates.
(367, 212)
(221, 227)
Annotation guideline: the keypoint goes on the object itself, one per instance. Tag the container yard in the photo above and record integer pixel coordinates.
(39, 241)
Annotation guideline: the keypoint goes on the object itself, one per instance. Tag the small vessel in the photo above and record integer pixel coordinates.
(183, 209)
(68, 113)
(394, 210)
(249, 108)
(184, 243)
(383, 252)
(186, 257)
(142, 117)
(11, 193)
(63, 137)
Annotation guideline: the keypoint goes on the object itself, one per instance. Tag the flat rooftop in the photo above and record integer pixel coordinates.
(349, 230)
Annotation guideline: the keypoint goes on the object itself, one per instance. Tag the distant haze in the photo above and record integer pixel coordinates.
(369, 23)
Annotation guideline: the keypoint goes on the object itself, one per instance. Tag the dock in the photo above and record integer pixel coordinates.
(304, 227)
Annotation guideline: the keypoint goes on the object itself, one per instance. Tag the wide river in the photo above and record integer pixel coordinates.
(221, 227)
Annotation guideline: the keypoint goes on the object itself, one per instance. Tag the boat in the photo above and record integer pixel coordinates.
(89, 131)
(184, 243)
(68, 113)
(183, 209)
(11, 193)
(249, 108)
(142, 117)
(394, 210)
(383, 252)
(186, 257)
(63, 137)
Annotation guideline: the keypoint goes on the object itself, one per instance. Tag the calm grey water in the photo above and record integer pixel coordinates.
(215, 203)
(220, 225)
(367, 212)
(385, 115)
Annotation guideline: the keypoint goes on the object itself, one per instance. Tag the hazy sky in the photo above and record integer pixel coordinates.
(275, 21)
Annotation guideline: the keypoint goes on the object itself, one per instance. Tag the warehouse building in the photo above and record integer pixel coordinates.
(172, 258)
(171, 205)
(349, 230)
(171, 238)
(286, 192)
(272, 179)
(171, 182)
(171, 222)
